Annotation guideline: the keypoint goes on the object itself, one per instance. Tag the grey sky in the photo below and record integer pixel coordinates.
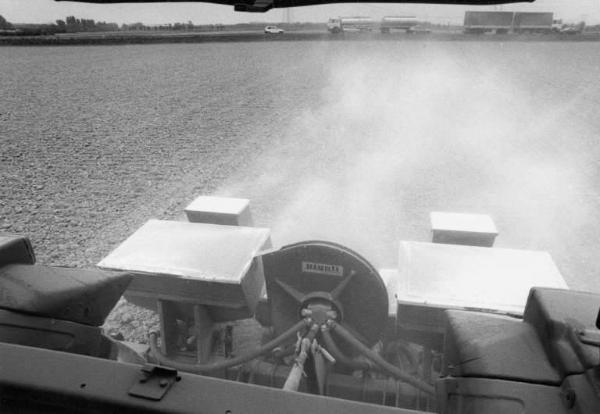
(45, 11)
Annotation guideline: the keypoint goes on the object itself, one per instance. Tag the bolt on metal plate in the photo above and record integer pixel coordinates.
(154, 382)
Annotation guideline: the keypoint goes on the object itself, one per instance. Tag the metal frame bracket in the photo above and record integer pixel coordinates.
(154, 382)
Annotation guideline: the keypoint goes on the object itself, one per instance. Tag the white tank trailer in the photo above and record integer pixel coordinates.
(351, 24)
(405, 23)
(367, 24)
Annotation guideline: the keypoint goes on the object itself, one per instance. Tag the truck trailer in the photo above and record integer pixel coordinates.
(478, 22)
(367, 24)
(502, 22)
(533, 22)
(406, 23)
(352, 24)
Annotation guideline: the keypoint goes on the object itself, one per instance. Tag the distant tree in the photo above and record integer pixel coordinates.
(60, 27)
(88, 25)
(133, 26)
(4, 24)
(73, 24)
(106, 27)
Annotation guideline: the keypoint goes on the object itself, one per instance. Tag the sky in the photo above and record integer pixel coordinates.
(47, 11)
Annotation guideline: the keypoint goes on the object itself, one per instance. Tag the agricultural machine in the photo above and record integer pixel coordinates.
(458, 326)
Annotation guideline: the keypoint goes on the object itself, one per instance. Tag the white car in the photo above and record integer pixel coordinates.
(273, 29)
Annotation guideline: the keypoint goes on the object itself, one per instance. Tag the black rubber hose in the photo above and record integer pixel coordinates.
(339, 356)
(382, 363)
(227, 363)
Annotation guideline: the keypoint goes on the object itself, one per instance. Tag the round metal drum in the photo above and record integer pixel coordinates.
(321, 275)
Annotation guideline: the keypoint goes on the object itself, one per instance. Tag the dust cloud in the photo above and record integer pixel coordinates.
(418, 128)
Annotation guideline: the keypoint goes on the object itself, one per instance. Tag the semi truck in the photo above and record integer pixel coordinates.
(501, 22)
(367, 24)
(352, 24)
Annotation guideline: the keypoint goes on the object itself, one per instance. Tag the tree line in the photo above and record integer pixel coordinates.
(73, 24)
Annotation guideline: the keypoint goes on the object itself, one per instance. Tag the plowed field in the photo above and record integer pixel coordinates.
(351, 142)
